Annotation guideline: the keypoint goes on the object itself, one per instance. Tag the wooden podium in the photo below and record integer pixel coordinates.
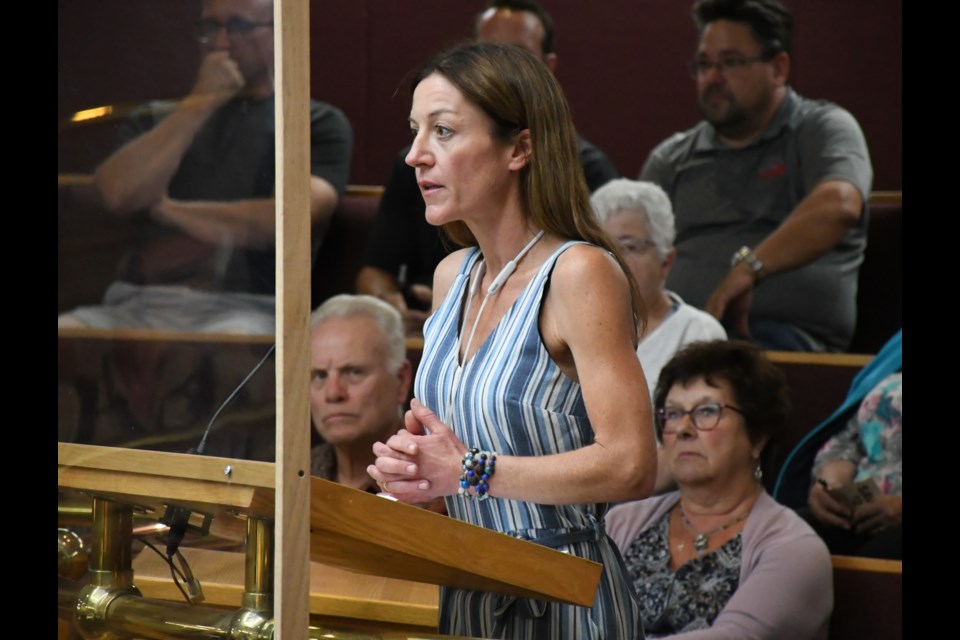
(353, 531)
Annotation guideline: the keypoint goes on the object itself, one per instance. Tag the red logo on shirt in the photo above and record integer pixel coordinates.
(774, 171)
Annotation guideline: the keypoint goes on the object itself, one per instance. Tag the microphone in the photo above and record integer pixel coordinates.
(177, 518)
(199, 449)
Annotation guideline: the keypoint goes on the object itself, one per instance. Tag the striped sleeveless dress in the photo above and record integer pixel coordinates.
(512, 398)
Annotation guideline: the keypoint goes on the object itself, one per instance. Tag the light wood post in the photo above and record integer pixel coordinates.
(292, 567)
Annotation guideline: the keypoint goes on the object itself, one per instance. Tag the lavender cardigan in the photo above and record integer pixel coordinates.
(786, 579)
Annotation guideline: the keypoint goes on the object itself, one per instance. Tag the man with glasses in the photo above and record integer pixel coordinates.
(769, 185)
(202, 170)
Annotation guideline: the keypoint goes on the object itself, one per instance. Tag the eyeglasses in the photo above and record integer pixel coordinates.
(208, 28)
(705, 416)
(636, 246)
(727, 65)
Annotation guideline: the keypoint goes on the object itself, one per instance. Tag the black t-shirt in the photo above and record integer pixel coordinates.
(231, 158)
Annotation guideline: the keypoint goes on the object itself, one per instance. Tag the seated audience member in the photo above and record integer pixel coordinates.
(863, 519)
(720, 558)
(403, 248)
(360, 379)
(769, 190)
(199, 172)
(792, 486)
(639, 217)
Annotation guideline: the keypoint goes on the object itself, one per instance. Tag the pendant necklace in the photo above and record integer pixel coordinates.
(474, 285)
(498, 282)
(701, 539)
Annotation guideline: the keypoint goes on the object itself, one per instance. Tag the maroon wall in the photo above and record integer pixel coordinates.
(622, 63)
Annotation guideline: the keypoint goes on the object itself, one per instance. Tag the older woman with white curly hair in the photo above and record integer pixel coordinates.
(638, 215)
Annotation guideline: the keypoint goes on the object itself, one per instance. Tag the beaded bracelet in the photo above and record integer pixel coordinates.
(478, 466)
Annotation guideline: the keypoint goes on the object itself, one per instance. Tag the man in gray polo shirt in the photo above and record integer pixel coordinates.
(769, 190)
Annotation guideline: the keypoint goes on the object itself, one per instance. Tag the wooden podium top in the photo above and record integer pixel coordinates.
(349, 529)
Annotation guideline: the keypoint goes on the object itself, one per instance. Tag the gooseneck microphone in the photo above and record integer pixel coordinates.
(199, 449)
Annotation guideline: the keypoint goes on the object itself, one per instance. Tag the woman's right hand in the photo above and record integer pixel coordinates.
(420, 462)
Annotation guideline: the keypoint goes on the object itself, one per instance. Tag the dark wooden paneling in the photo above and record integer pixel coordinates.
(622, 67)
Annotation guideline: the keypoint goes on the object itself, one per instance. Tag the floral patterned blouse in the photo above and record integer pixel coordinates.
(688, 598)
(872, 439)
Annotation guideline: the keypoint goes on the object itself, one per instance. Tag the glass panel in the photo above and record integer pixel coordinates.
(165, 224)
(166, 185)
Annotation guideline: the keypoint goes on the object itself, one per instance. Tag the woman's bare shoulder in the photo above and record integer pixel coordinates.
(586, 267)
(588, 304)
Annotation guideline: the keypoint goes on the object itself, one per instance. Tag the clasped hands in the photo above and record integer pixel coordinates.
(868, 518)
(421, 461)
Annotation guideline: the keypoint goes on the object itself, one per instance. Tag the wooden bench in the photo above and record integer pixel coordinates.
(867, 599)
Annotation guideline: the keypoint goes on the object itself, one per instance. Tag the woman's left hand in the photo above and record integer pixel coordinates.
(415, 466)
(875, 516)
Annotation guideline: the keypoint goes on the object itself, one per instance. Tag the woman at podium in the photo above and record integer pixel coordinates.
(530, 412)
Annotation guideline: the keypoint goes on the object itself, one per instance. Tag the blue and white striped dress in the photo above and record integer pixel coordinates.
(512, 398)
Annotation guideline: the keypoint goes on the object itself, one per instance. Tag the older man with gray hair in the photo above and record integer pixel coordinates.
(639, 217)
(359, 382)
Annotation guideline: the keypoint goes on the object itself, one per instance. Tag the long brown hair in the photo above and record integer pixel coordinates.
(518, 92)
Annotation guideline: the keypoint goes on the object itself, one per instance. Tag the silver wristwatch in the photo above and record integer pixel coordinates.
(746, 254)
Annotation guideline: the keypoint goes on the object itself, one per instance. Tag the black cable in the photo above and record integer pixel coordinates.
(173, 575)
(179, 517)
(203, 441)
(173, 569)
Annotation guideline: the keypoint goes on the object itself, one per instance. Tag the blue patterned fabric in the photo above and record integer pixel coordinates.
(793, 481)
(512, 398)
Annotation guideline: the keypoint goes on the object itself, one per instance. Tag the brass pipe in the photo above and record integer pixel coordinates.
(258, 567)
(111, 572)
(110, 614)
(73, 511)
(78, 512)
(163, 620)
(111, 558)
(132, 616)
(111, 607)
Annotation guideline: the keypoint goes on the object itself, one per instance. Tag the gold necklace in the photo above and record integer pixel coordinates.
(701, 539)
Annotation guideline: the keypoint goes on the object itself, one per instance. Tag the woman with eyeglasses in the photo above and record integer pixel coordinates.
(719, 558)
(639, 216)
